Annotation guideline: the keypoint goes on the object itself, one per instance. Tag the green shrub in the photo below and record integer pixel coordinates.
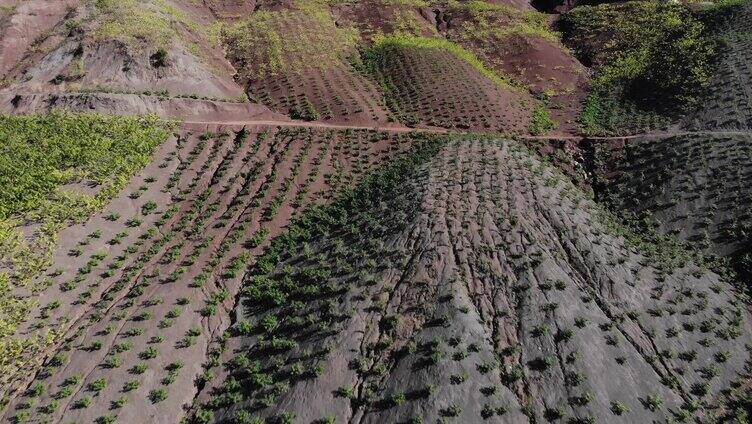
(158, 395)
(541, 122)
(61, 147)
(651, 57)
(97, 385)
(82, 403)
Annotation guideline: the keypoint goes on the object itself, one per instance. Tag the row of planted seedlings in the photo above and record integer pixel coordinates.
(167, 226)
(330, 95)
(681, 318)
(192, 222)
(287, 319)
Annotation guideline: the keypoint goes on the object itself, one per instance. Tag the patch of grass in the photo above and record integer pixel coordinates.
(484, 18)
(138, 23)
(652, 56)
(42, 153)
(541, 122)
(284, 41)
(39, 156)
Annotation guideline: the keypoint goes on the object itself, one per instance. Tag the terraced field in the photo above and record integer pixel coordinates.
(137, 293)
(375, 212)
(475, 283)
(411, 73)
(338, 95)
(309, 76)
(694, 187)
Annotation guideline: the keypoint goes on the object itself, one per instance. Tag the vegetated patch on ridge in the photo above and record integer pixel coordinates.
(728, 103)
(471, 283)
(695, 187)
(296, 61)
(374, 18)
(414, 72)
(653, 62)
(136, 293)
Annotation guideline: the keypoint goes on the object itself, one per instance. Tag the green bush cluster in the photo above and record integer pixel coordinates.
(39, 154)
(650, 57)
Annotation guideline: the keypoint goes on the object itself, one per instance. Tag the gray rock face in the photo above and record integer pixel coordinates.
(478, 286)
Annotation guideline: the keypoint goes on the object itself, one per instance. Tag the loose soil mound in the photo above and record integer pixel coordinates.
(137, 292)
(473, 283)
(427, 83)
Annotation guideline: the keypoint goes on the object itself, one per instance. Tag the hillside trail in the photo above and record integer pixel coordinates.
(434, 130)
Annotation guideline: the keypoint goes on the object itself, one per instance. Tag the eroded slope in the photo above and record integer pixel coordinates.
(472, 282)
(694, 186)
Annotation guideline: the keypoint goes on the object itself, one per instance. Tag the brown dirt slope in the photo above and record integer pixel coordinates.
(414, 80)
(116, 46)
(518, 42)
(26, 24)
(308, 75)
(137, 293)
(473, 283)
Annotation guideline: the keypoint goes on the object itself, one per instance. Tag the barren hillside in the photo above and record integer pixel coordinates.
(488, 288)
(382, 211)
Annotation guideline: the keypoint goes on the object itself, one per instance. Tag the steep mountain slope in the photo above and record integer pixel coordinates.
(135, 46)
(299, 58)
(471, 282)
(138, 291)
(23, 24)
(437, 242)
(519, 42)
(694, 186)
(653, 61)
(410, 72)
(728, 105)
(308, 75)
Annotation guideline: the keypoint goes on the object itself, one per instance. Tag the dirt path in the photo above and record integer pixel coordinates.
(433, 130)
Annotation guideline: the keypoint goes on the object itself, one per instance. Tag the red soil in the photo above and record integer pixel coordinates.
(222, 190)
(546, 67)
(29, 23)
